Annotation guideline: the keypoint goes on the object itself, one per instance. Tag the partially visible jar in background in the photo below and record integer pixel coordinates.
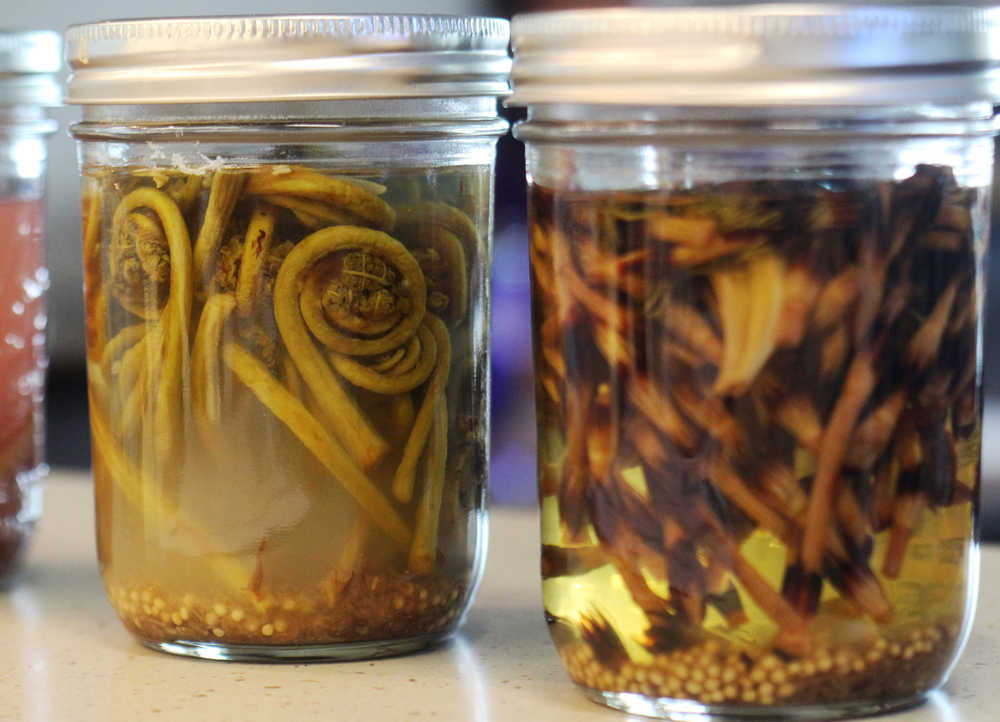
(757, 242)
(287, 298)
(28, 63)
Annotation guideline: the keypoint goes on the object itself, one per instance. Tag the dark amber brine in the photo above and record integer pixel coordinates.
(758, 407)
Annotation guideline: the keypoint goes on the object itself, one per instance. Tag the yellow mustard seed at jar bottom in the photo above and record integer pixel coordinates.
(355, 615)
(861, 670)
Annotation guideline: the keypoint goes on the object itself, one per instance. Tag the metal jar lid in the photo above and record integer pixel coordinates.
(281, 58)
(758, 55)
(28, 64)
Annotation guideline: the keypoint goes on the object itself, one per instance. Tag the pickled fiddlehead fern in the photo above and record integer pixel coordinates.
(274, 328)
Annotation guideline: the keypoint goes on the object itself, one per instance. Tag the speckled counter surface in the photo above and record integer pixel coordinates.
(64, 656)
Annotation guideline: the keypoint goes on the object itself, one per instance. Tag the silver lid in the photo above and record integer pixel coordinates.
(808, 54)
(28, 64)
(293, 57)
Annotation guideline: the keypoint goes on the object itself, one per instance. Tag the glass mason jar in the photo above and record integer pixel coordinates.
(757, 242)
(286, 242)
(28, 63)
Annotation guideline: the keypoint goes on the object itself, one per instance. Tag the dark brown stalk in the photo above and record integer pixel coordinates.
(619, 353)
(779, 481)
(884, 495)
(942, 239)
(723, 478)
(853, 578)
(667, 228)
(963, 313)
(939, 472)
(600, 305)
(559, 561)
(916, 201)
(799, 417)
(871, 284)
(686, 580)
(961, 494)
(688, 256)
(627, 566)
(573, 489)
(864, 589)
(802, 288)
(689, 327)
(910, 500)
(548, 480)
(833, 353)
(909, 508)
(965, 411)
(551, 387)
(836, 298)
(932, 399)
(858, 385)
(614, 271)
(709, 413)
(641, 434)
(730, 606)
(723, 595)
(896, 300)
(793, 637)
(874, 432)
(676, 352)
(541, 262)
(660, 411)
(602, 442)
(550, 332)
(673, 533)
(967, 376)
(853, 519)
(602, 639)
(907, 448)
(954, 212)
(926, 342)
(845, 566)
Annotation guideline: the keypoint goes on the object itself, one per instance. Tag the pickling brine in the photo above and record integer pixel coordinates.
(287, 314)
(287, 400)
(23, 282)
(759, 435)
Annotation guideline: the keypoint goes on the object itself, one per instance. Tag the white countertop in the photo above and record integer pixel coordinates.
(65, 656)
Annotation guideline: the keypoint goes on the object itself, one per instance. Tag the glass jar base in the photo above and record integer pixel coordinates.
(339, 652)
(684, 710)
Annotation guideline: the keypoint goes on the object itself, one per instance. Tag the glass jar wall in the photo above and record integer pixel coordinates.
(288, 372)
(757, 337)
(759, 426)
(27, 86)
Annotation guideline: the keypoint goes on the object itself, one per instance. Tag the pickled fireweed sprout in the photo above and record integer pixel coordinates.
(753, 398)
(330, 307)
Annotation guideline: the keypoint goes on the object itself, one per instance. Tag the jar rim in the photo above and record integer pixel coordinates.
(274, 58)
(758, 55)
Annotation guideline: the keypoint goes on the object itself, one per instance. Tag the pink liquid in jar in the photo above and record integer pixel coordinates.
(23, 282)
